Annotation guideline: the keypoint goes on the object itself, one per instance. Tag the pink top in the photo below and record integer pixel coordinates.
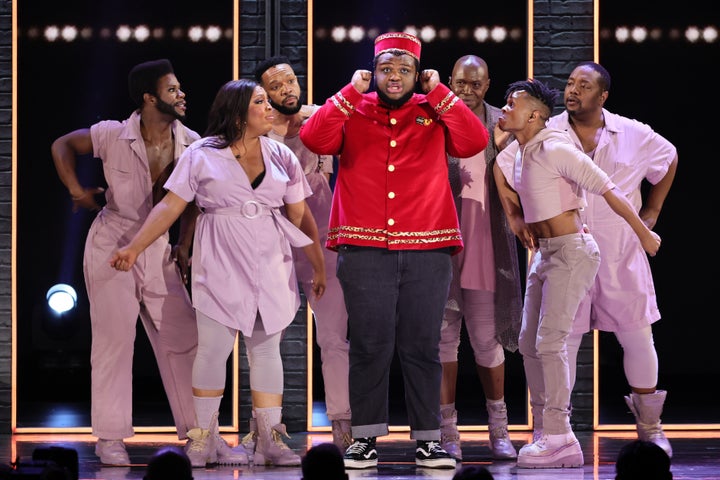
(242, 257)
(477, 268)
(129, 192)
(550, 175)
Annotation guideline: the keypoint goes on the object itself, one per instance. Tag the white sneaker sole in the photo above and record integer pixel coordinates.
(359, 464)
(564, 457)
(437, 463)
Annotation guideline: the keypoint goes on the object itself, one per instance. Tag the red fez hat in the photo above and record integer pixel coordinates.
(409, 44)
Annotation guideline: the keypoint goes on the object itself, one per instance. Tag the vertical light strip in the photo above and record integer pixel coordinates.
(236, 348)
(310, 333)
(596, 30)
(596, 334)
(530, 38)
(236, 39)
(596, 379)
(310, 44)
(13, 241)
(310, 382)
(530, 58)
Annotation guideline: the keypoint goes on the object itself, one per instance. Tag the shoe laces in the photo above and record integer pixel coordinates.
(541, 442)
(434, 447)
(359, 446)
(197, 445)
(249, 438)
(198, 439)
(278, 431)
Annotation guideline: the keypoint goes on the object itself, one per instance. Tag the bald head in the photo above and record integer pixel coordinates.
(470, 80)
(472, 61)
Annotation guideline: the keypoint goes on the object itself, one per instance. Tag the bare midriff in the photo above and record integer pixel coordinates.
(563, 224)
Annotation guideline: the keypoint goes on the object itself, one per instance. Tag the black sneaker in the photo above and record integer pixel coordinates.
(361, 454)
(430, 454)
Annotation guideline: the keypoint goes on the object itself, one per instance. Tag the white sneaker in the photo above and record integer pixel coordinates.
(552, 451)
(112, 452)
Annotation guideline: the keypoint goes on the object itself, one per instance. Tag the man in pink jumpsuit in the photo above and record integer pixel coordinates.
(542, 178)
(137, 156)
(622, 300)
(278, 78)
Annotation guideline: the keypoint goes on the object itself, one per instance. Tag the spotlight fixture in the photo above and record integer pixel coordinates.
(61, 298)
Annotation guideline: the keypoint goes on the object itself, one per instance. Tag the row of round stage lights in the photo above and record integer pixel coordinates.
(126, 33)
(427, 34)
(214, 33)
(639, 34)
(498, 34)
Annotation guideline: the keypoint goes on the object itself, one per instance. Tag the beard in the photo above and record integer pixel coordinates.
(169, 109)
(394, 103)
(286, 110)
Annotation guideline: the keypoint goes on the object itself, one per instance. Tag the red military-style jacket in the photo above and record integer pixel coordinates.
(392, 188)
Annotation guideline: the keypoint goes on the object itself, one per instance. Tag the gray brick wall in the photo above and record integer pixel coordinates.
(5, 212)
(563, 36)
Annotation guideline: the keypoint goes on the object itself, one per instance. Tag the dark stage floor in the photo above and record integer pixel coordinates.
(696, 456)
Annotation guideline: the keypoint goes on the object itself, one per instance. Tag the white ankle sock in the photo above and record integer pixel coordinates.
(205, 407)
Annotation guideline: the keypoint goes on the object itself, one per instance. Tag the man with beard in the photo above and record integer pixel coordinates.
(622, 300)
(278, 79)
(394, 225)
(137, 155)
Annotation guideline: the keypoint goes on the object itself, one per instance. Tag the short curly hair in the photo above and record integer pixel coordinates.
(143, 78)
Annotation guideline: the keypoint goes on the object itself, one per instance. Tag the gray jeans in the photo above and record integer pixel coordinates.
(560, 275)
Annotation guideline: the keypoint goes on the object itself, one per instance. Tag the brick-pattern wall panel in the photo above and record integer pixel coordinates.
(254, 38)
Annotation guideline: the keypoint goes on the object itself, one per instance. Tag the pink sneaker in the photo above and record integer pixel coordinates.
(552, 451)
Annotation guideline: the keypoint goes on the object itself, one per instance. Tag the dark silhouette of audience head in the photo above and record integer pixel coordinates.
(169, 463)
(324, 462)
(473, 472)
(642, 460)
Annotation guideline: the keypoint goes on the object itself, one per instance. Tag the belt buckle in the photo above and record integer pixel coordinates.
(256, 206)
